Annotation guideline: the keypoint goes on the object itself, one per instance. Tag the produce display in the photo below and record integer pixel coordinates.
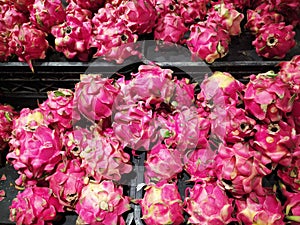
(82, 30)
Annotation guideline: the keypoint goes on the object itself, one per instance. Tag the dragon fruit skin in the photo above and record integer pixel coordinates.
(274, 40)
(267, 97)
(4, 49)
(163, 7)
(191, 11)
(102, 203)
(290, 175)
(240, 169)
(38, 154)
(295, 115)
(94, 96)
(46, 13)
(67, 183)
(35, 205)
(208, 41)
(257, 209)
(58, 109)
(239, 4)
(170, 28)
(138, 15)
(92, 5)
(208, 204)
(289, 8)
(162, 204)
(75, 11)
(7, 115)
(291, 205)
(104, 158)
(22, 5)
(28, 43)
(227, 16)
(156, 168)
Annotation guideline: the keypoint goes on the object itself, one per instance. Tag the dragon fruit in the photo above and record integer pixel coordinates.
(104, 158)
(35, 205)
(208, 41)
(46, 13)
(226, 15)
(290, 174)
(208, 204)
(22, 5)
(94, 96)
(4, 49)
(58, 109)
(239, 4)
(274, 40)
(28, 43)
(106, 15)
(156, 168)
(7, 115)
(170, 28)
(67, 183)
(37, 155)
(193, 11)
(102, 203)
(240, 169)
(163, 7)
(162, 204)
(291, 205)
(290, 9)
(138, 15)
(92, 5)
(276, 140)
(75, 11)
(267, 97)
(295, 115)
(257, 209)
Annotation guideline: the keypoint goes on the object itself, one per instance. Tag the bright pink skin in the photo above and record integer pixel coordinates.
(22, 5)
(102, 203)
(58, 109)
(257, 209)
(290, 9)
(138, 15)
(75, 11)
(240, 169)
(4, 49)
(208, 41)
(7, 116)
(192, 11)
(28, 43)
(274, 41)
(34, 206)
(163, 7)
(105, 15)
(290, 174)
(162, 204)
(198, 164)
(156, 167)
(295, 115)
(92, 5)
(44, 14)
(38, 154)
(267, 97)
(67, 183)
(104, 158)
(239, 4)
(207, 204)
(227, 16)
(276, 141)
(170, 28)
(292, 205)
(94, 97)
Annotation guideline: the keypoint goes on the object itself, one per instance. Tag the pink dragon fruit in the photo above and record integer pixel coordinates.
(274, 40)
(290, 174)
(7, 115)
(291, 206)
(92, 5)
(106, 15)
(162, 204)
(240, 169)
(138, 15)
(28, 43)
(239, 4)
(75, 141)
(226, 15)
(290, 9)
(170, 28)
(67, 183)
(157, 169)
(75, 11)
(104, 158)
(58, 109)
(192, 11)
(261, 16)
(163, 7)
(208, 204)
(46, 13)
(267, 97)
(257, 209)
(208, 41)
(94, 96)
(35, 205)
(22, 5)
(198, 164)
(276, 140)
(4, 49)
(102, 203)
(38, 154)
(295, 115)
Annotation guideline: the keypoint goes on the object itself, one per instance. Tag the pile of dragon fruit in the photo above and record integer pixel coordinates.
(238, 144)
(108, 29)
